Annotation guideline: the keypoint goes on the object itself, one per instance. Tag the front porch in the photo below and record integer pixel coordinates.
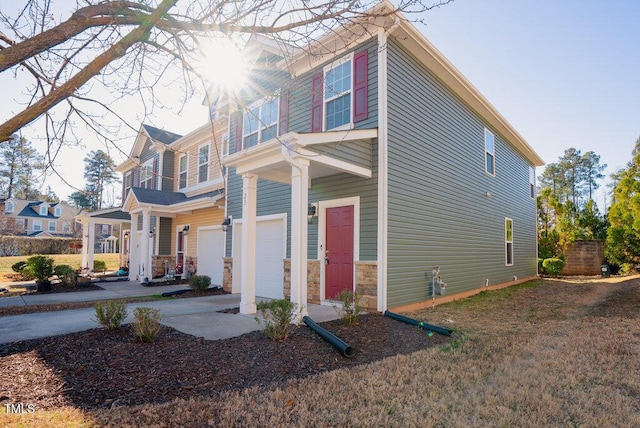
(295, 159)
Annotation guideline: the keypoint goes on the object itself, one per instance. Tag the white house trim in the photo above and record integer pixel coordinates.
(383, 173)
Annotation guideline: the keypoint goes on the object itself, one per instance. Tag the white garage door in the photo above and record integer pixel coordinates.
(270, 252)
(210, 254)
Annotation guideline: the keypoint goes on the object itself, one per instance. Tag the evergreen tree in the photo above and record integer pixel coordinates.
(20, 169)
(623, 235)
(99, 171)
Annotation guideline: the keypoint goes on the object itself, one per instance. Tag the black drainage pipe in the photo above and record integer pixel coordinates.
(398, 317)
(173, 293)
(338, 343)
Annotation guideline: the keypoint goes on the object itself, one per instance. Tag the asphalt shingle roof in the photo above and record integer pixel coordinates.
(161, 135)
(163, 197)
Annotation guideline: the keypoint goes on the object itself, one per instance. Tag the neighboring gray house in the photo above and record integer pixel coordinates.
(369, 163)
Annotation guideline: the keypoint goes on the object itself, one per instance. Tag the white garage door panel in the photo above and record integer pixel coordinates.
(211, 254)
(269, 257)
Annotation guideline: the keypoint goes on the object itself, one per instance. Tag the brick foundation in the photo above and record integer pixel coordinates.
(227, 274)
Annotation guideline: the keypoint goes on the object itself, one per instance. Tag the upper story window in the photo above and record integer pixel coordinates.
(146, 175)
(57, 211)
(128, 180)
(225, 144)
(37, 225)
(8, 207)
(52, 226)
(66, 228)
(532, 182)
(43, 210)
(260, 122)
(337, 94)
(183, 166)
(490, 152)
(203, 163)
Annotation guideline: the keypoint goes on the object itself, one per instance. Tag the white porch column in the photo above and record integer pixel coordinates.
(91, 241)
(248, 245)
(134, 250)
(85, 243)
(145, 256)
(299, 228)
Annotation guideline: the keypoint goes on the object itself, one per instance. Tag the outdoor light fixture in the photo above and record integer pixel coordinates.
(312, 211)
(226, 223)
(126, 234)
(185, 230)
(152, 232)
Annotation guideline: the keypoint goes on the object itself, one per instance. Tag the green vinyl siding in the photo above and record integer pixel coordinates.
(275, 198)
(439, 214)
(167, 171)
(164, 236)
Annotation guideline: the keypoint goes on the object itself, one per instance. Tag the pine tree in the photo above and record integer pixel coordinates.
(20, 169)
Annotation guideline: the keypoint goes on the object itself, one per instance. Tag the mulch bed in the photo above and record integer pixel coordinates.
(98, 369)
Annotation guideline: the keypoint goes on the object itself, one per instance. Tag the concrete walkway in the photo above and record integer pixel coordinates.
(197, 316)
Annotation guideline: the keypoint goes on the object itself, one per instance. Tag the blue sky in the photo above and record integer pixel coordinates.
(564, 73)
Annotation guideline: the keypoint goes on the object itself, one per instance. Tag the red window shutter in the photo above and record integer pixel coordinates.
(237, 130)
(360, 86)
(316, 103)
(283, 113)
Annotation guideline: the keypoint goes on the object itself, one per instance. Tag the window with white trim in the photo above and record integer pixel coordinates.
(225, 144)
(37, 225)
(57, 211)
(128, 179)
(508, 241)
(8, 208)
(203, 163)
(146, 175)
(490, 152)
(183, 166)
(66, 227)
(43, 210)
(338, 84)
(52, 226)
(260, 122)
(532, 182)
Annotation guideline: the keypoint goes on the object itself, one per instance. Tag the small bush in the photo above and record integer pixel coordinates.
(147, 324)
(199, 282)
(350, 308)
(111, 314)
(66, 274)
(553, 266)
(39, 267)
(277, 315)
(99, 265)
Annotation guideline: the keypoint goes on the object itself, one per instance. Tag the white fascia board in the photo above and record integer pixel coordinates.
(336, 164)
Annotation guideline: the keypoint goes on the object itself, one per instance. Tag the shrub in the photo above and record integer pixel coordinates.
(99, 265)
(277, 315)
(66, 274)
(39, 267)
(199, 282)
(111, 313)
(147, 324)
(540, 267)
(553, 266)
(350, 308)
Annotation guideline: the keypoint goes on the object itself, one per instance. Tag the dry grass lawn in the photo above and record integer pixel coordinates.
(545, 353)
(73, 260)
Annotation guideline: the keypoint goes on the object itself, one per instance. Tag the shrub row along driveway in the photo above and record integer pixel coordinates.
(549, 353)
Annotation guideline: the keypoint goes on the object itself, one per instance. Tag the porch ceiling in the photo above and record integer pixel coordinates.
(270, 160)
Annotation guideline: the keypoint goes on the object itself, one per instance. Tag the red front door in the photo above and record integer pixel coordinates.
(339, 251)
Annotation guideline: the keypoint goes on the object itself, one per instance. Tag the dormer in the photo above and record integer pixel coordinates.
(43, 209)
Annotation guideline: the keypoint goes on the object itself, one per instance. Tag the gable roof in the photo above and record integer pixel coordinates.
(160, 134)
